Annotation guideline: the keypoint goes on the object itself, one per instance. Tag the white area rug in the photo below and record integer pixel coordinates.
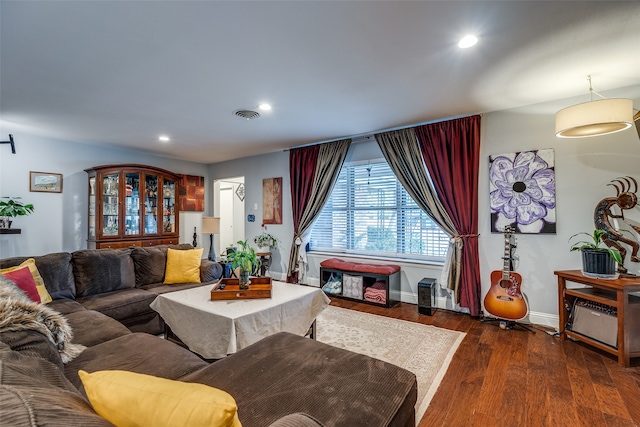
(422, 349)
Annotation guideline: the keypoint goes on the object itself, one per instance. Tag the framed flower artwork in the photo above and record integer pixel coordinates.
(522, 191)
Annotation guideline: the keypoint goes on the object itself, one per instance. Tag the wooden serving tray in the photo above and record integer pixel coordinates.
(260, 287)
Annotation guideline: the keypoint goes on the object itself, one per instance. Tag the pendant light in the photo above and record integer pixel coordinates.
(594, 118)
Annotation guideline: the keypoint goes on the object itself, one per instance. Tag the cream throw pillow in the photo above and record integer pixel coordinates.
(183, 266)
(127, 399)
(45, 298)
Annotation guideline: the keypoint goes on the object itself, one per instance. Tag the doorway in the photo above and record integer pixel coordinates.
(228, 205)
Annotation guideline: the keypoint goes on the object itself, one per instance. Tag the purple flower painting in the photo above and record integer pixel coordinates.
(523, 191)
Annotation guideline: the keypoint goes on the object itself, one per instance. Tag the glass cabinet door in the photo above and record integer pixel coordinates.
(92, 207)
(150, 204)
(168, 206)
(132, 204)
(110, 212)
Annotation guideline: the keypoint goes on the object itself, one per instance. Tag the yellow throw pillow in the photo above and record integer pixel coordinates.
(183, 266)
(127, 399)
(45, 298)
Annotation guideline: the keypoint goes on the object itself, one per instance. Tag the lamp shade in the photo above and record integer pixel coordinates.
(210, 225)
(594, 118)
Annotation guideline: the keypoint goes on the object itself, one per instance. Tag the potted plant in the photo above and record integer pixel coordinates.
(12, 208)
(246, 259)
(597, 260)
(265, 242)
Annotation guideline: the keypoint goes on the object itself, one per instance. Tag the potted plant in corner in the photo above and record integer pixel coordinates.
(597, 260)
(12, 208)
(265, 242)
(246, 259)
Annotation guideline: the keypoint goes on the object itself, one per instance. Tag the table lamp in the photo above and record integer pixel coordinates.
(211, 225)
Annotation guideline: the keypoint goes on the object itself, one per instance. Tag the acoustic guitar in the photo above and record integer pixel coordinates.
(505, 299)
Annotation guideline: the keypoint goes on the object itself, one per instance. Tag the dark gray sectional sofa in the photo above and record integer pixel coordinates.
(120, 283)
(282, 381)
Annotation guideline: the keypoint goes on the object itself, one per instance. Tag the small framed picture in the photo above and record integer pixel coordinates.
(45, 182)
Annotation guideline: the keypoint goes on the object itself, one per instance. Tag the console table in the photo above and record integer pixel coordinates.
(611, 292)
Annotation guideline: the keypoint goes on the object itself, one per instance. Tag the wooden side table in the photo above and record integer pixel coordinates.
(611, 292)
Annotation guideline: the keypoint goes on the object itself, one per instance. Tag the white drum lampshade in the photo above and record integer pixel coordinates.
(594, 118)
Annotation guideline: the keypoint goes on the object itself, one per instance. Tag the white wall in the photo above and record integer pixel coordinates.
(254, 170)
(59, 222)
(583, 168)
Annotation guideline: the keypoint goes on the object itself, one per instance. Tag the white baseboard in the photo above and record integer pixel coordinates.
(537, 318)
(311, 281)
(281, 277)
(544, 319)
(410, 297)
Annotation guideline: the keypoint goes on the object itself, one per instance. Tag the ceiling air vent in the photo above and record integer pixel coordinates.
(247, 114)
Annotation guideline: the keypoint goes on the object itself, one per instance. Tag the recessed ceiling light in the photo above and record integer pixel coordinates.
(163, 138)
(264, 107)
(467, 41)
(247, 114)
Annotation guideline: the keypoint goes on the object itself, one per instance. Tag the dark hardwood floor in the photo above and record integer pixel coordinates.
(515, 378)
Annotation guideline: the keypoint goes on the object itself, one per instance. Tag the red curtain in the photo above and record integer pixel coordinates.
(302, 171)
(451, 152)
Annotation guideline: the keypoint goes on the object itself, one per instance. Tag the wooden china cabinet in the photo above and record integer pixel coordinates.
(132, 205)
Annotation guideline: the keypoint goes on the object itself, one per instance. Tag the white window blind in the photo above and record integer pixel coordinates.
(369, 212)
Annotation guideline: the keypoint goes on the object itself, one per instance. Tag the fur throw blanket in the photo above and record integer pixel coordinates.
(19, 313)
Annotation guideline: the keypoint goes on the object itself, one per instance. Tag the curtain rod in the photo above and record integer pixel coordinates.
(367, 135)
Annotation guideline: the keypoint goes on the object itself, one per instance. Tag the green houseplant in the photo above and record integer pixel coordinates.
(12, 208)
(266, 240)
(246, 259)
(598, 260)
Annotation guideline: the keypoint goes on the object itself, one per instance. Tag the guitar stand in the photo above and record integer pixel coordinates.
(507, 324)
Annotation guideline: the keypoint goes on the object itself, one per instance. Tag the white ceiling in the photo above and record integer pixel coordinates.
(123, 72)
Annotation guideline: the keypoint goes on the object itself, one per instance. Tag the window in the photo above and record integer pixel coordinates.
(369, 212)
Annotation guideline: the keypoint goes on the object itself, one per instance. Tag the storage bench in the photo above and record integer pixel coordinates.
(377, 284)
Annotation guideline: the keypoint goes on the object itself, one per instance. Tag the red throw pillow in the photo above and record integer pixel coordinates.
(23, 278)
